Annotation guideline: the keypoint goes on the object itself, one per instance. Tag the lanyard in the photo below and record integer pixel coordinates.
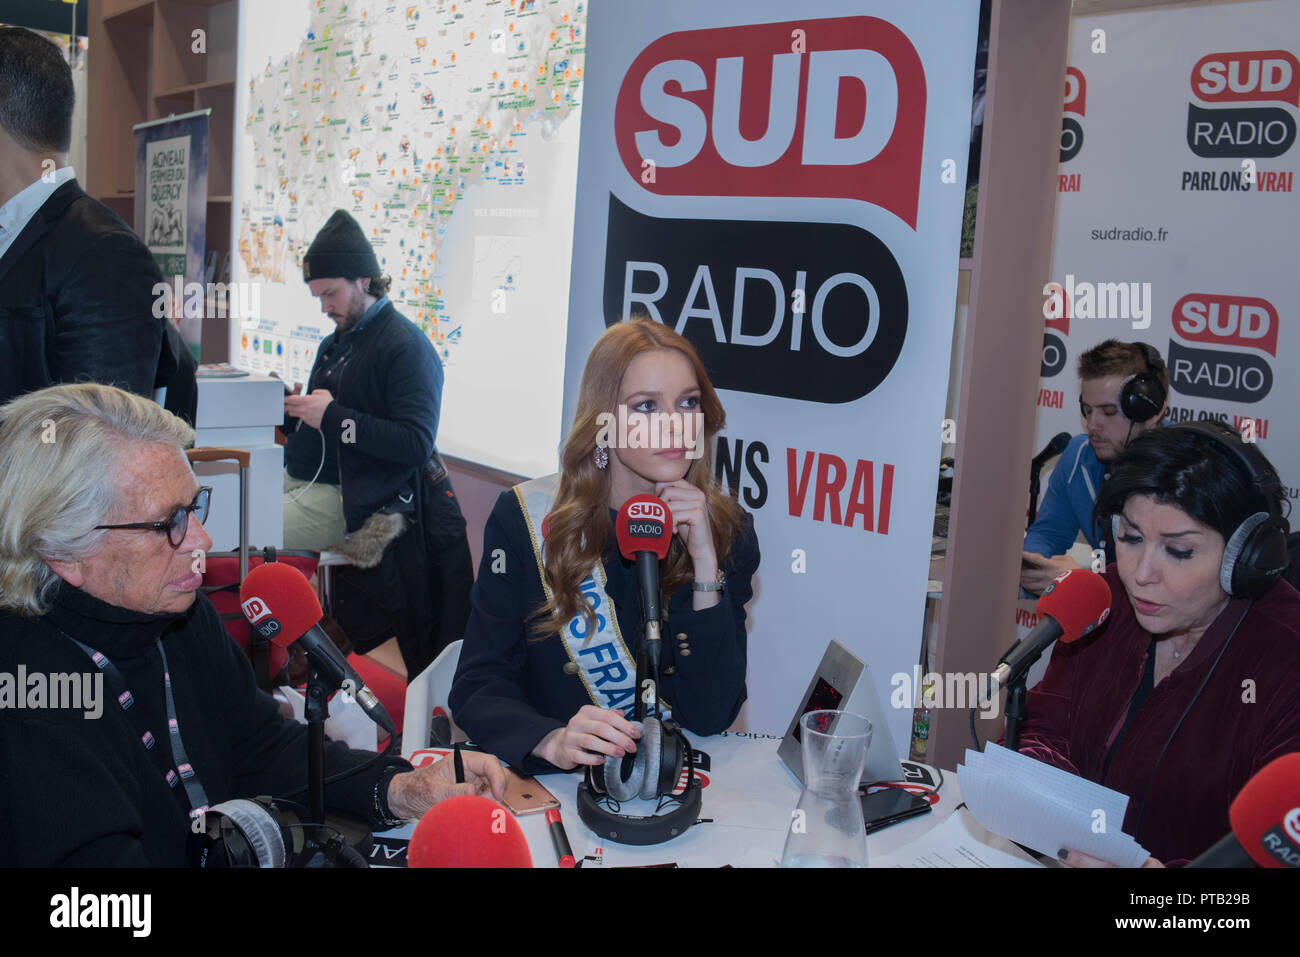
(183, 771)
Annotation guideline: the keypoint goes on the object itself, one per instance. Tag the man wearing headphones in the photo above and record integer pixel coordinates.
(1123, 392)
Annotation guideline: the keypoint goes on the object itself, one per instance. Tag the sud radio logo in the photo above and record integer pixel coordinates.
(259, 617)
(1055, 355)
(1076, 102)
(254, 610)
(1242, 333)
(1249, 116)
(653, 511)
(832, 109)
(646, 519)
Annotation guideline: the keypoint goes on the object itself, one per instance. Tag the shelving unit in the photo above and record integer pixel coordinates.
(146, 65)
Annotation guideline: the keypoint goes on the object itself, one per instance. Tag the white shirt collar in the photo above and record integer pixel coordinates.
(17, 213)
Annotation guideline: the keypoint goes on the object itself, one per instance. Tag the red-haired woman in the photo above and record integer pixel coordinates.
(547, 676)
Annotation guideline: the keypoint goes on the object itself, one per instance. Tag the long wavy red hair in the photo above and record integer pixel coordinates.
(578, 528)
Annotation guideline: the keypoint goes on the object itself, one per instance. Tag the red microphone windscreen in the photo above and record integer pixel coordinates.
(1079, 601)
(275, 591)
(1265, 814)
(644, 524)
(468, 831)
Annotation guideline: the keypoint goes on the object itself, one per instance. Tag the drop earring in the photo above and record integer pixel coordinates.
(601, 456)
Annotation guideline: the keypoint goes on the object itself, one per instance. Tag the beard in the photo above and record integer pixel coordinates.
(356, 308)
(1106, 452)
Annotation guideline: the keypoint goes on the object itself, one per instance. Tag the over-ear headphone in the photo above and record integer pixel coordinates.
(651, 772)
(1255, 554)
(266, 832)
(1143, 395)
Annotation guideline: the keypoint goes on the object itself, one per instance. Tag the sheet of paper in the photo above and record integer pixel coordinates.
(1046, 808)
(958, 842)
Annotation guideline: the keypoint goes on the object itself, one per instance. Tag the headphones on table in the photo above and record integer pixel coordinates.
(266, 832)
(652, 771)
(1143, 395)
(1255, 554)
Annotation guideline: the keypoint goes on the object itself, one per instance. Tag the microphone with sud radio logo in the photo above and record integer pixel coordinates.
(281, 606)
(1265, 819)
(1072, 606)
(644, 529)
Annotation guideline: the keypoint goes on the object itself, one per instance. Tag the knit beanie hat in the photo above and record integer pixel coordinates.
(340, 251)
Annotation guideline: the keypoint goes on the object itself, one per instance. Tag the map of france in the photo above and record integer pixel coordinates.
(392, 111)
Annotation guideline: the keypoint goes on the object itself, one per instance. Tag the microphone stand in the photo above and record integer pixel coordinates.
(648, 655)
(316, 711)
(1035, 470)
(647, 668)
(1017, 711)
(320, 847)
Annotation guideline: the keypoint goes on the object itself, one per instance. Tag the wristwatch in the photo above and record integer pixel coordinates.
(719, 585)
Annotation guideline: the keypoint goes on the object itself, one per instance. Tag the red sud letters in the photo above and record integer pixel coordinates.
(744, 111)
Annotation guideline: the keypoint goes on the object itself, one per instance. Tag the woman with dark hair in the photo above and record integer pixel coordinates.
(547, 677)
(1193, 683)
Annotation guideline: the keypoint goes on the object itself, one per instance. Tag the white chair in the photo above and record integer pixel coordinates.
(428, 690)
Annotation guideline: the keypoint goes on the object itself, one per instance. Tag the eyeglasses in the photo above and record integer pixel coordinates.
(178, 523)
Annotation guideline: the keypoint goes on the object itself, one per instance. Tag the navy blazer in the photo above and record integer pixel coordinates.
(391, 392)
(77, 302)
(510, 689)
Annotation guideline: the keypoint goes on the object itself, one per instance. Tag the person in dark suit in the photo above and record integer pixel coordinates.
(76, 284)
(98, 589)
(546, 678)
(362, 474)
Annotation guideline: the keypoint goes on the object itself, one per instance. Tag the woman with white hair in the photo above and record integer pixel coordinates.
(101, 540)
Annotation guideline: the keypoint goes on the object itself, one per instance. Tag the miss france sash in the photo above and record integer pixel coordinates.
(606, 668)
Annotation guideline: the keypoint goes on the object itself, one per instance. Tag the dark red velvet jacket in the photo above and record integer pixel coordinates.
(1247, 715)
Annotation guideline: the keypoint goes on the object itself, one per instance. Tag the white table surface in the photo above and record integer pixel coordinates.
(747, 803)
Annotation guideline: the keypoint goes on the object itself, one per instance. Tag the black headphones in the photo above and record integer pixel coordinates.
(1143, 395)
(1255, 554)
(651, 772)
(266, 832)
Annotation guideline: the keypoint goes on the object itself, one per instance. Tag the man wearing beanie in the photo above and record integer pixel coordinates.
(362, 475)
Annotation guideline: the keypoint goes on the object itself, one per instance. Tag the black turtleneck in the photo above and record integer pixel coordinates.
(83, 791)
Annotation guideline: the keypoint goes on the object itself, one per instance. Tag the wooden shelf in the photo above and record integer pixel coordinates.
(118, 82)
(128, 11)
(220, 98)
(168, 105)
(176, 64)
(123, 206)
(145, 68)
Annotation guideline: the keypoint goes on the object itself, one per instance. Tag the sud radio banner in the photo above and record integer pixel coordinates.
(171, 203)
(786, 192)
(1177, 212)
